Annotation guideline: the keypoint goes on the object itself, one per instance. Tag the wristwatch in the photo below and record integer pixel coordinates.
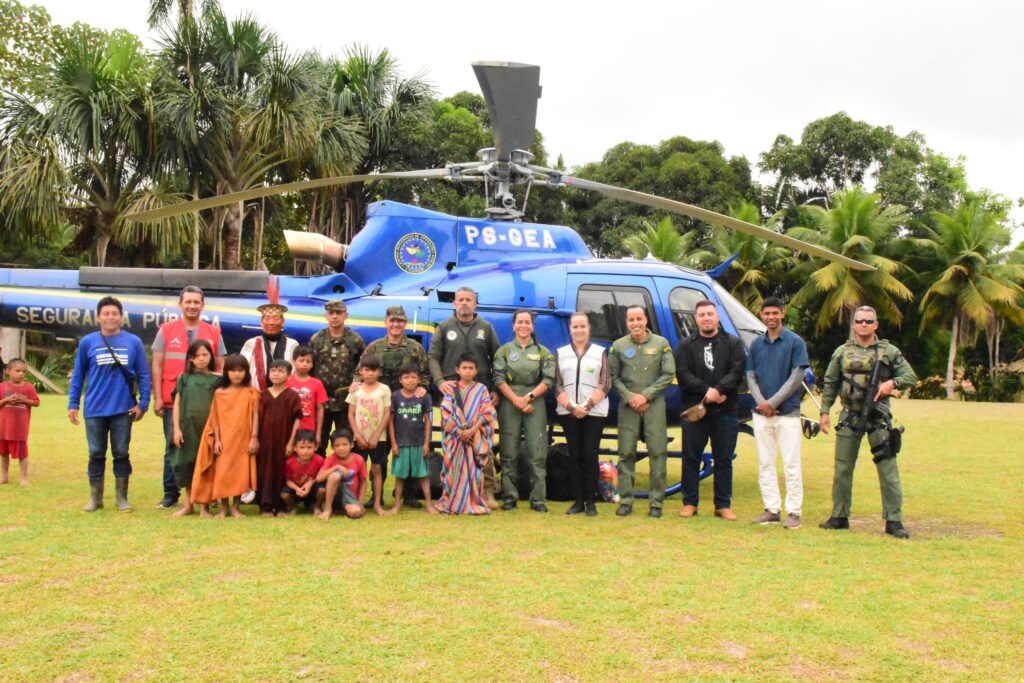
(530, 396)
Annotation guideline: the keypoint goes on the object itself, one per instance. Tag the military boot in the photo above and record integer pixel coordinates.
(95, 495)
(833, 523)
(896, 530)
(121, 488)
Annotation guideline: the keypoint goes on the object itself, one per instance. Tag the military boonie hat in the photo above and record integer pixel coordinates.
(336, 305)
(397, 313)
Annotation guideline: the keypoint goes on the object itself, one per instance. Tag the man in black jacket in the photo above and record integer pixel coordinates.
(709, 368)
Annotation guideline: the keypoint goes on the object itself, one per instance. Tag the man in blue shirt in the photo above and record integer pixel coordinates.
(775, 369)
(112, 366)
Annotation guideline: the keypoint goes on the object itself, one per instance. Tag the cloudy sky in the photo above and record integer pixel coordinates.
(734, 71)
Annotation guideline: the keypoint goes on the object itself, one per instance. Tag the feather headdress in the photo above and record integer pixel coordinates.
(273, 305)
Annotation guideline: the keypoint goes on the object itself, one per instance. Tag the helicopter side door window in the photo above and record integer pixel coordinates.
(607, 306)
(682, 301)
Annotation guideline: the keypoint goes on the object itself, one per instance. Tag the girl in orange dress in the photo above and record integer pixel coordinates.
(226, 462)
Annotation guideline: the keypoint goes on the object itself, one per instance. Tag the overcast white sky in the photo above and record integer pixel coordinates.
(739, 72)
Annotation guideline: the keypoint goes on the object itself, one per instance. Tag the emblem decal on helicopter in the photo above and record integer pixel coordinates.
(415, 253)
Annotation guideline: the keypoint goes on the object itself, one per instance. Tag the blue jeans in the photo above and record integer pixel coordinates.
(170, 484)
(119, 430)
(722, 430)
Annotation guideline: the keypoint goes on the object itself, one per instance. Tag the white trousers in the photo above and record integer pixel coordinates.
(782, 433)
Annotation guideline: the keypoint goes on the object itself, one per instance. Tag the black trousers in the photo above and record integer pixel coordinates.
(583, 441)
(333, 419)
(722, 430)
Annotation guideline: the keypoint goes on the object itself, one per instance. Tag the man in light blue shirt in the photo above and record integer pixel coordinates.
(112, 366)
(775, 368)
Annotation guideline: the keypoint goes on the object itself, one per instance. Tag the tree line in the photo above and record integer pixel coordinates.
(93, 126)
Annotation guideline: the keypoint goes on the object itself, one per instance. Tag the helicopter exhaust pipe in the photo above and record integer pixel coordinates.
(312, 246)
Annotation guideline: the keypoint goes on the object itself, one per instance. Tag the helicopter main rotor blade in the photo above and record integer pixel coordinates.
(692, 211)
(269, 190)
(511, 91)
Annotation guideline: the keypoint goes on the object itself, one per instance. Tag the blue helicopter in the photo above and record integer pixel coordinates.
(418, 258)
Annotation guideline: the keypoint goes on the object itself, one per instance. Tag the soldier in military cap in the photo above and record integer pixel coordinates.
(336, 352)
(642, 367)
(847, 378)
(395, 349)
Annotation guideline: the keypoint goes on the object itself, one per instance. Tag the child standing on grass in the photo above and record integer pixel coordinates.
(280, 417)
(300, 471)
(369, 413)
(193, 394)
(341, 482)
(310, 390)
(17, 398)
(226, 462)
(410, 430)
(468, 417)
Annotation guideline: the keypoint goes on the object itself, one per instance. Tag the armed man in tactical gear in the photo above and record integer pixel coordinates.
(862, 374)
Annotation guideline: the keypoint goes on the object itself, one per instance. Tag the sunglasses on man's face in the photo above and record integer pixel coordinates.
(863, 321)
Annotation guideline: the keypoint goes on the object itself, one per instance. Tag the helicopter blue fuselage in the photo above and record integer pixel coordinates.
(404, 255)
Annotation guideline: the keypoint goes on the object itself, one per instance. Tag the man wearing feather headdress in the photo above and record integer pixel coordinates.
(273, 344)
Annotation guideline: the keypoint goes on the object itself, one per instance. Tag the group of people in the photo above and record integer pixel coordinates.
(292, 424)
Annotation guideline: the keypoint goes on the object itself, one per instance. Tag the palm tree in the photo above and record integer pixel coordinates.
(857, 227)
(82, 151)
(664, 243)
(972, 286)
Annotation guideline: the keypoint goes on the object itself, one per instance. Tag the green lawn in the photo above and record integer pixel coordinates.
(521, 596)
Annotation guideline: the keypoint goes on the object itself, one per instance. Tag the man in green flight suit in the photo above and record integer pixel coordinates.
(847, 378)
(642, 367)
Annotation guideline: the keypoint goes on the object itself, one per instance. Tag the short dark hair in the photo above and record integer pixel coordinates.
(191, 289)
(370, 361)
(467, 357)
(704, 303)
(16, 361)
(643, 309)
(281, 363)
(302, 350)
(341, 434)
(109, 301)
(772, 302)
(409, 368)
(305, 436)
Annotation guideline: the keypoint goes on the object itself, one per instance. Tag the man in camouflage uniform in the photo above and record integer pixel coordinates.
(847, 378)
(642, 367)
(395, 349)
(336, 352)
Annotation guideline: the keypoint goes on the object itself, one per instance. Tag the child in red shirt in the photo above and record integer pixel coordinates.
(17, 398)
(310, 390)
(300, 472)
(341, 483)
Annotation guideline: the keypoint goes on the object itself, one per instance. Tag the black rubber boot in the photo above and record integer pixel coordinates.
(121, 488)
(896, 530)
(95, 496)
(835, 523)
(576, 508)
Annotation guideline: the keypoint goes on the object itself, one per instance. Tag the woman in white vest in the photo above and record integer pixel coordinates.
(582, 383)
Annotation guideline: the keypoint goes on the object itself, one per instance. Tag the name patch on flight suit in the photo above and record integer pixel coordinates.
(533, 356)
(650, 352)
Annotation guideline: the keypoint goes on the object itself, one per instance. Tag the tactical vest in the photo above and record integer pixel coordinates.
(580, 376)
(855, 366)
(175, 349)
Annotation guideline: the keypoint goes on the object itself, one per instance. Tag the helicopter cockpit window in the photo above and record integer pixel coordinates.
(746, 323)
(607, 308)
(683, 302)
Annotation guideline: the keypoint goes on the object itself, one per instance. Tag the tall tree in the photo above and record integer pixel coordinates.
(857, 227)
(971, 284)
(663, 242)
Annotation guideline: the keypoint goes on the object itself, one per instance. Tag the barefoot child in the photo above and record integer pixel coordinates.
(310, 390)
(226, 462)
(410, 429)
(369, 413)
(193, 394)
(18, 399)
(341, 482)
(300, 472)
(468, 417)
(280, 417)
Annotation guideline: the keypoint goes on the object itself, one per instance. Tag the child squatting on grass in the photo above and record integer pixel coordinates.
(18, 399)
(410, 435)
(193, 395)
(226, 462)
(369, 413)
(300, 472)
(342, 479)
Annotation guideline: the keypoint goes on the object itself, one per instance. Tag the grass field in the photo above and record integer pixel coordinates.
(521, 596)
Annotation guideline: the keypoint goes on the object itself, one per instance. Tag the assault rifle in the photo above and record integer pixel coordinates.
(885, 440)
